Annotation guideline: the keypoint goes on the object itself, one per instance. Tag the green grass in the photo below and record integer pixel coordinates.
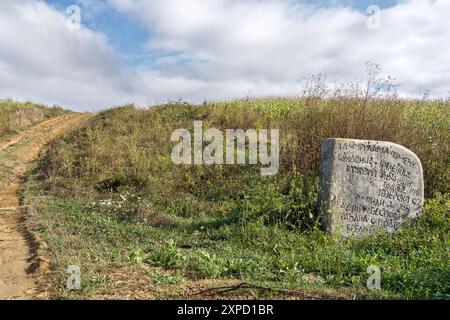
(414, 263)
(108, 197)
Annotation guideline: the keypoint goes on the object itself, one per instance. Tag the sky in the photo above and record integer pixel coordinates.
(150, 52)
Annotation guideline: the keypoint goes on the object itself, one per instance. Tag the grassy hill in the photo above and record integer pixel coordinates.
(16, 116)
(107, 197)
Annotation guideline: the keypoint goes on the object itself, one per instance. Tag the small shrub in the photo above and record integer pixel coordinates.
(167, 256)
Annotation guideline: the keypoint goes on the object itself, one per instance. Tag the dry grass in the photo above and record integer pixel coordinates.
(131, 147)
(15, 116)
(112, 198)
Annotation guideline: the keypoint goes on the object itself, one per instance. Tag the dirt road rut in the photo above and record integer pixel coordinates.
(16, 282)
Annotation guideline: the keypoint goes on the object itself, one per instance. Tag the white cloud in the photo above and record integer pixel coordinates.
(254, 42)
(220, 49)
(43, 60)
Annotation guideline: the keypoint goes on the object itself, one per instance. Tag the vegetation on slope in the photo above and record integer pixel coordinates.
(108, 198)
(16, 116)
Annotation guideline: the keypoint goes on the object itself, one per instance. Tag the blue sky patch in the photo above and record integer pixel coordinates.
(129, 38)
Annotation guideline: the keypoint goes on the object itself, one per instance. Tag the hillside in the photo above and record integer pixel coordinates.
(108, 198)
(16, 116)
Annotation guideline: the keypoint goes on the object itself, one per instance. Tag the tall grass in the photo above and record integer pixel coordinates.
(11, 111)
(131, 147)
(113, 181)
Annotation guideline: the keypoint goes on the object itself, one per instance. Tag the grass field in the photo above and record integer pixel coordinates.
(107, 197)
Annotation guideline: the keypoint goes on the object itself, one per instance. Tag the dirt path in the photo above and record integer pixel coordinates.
(15, 282)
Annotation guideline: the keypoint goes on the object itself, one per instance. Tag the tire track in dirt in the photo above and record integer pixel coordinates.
(33, 130)
(15, 282)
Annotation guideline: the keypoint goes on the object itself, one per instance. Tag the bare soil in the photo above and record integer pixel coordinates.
(16, 274)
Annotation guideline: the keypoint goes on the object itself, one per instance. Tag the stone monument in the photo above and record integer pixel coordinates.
(367, 185)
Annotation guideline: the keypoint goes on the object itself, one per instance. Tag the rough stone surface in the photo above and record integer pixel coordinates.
(366, 186)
